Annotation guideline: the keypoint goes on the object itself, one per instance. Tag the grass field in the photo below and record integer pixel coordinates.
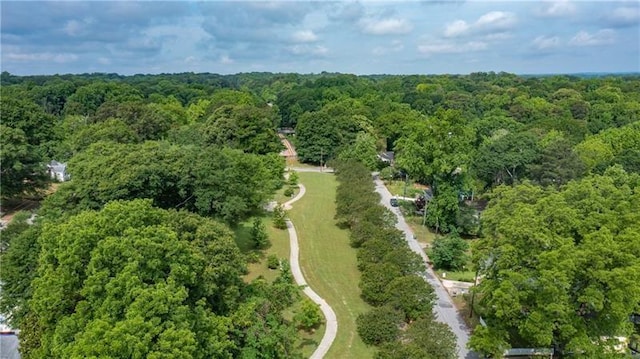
(329, 263)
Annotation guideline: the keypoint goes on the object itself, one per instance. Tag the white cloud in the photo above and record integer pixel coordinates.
(546, 42)
(304, 36)
(558, 8)
(316, 50)
(602, 37)
(456, 28)
(226, 60)
(395, 46)
(447, 47)
(624, 16)
(496, 20)
(491, 22)
(390, 26)
(42, 56)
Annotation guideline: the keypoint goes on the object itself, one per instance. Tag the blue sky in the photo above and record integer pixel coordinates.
(361, 37)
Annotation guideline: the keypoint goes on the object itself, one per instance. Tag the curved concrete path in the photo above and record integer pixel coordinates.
(330, 316)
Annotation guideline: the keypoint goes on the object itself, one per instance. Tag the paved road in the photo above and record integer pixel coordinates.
(444, 308)
(330, 316)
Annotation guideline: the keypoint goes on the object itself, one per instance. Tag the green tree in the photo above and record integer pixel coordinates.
(411, 295)
(133, 280)
(424, 339)
(449, 252)
(259, 235)
(21, 171)
(279, 217)
(560, 266)
(379, 325)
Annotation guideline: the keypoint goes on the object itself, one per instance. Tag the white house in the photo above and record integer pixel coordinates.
(58, 171)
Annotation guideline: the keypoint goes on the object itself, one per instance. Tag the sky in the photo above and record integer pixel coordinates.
(359, 37)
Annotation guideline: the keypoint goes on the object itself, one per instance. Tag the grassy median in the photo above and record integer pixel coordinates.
(328, 262)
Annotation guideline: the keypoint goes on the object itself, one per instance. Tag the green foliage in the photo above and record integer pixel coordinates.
(288, 192)
(411, 295)
(259, 235)
(426, 338)
(362, 150)
(380, 325)
(244, 127)
(560, 266)
(132, 279)
(273, 262)
(279, 217)
(293, 178)
(225, 183)
(449, 252)
(19, 257)
(22, 172)
(309, 315)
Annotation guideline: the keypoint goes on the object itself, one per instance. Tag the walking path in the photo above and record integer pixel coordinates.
(330, 316)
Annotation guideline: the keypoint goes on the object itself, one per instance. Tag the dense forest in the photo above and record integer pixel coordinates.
(165, 163)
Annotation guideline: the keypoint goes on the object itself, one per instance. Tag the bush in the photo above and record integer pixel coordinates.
(293, 178)
(279, 217)
(273, 262)
(309, 316)
(288, 192)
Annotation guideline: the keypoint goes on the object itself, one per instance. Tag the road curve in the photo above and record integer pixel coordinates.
(445, 310)
(330, 316)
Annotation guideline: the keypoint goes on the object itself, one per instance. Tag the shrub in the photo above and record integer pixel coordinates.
(279, 217)
(309, 316)
(273, 262)
(288, 192)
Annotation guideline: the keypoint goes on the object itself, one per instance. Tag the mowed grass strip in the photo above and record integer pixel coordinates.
(329, 263)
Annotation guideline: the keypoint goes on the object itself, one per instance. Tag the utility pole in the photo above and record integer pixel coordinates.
(321, 154)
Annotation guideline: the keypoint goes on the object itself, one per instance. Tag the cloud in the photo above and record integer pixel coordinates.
(346, 12)
(449, 47)
(624, 16)
(226, 60)
(602, 37)
(491, 22)
(546, 42)
(456, 28)
(389, 26)
(304, 36)
(309, 50)
(395, 46)
(45, 56)
(557, 8)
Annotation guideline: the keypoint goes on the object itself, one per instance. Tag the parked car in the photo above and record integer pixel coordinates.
(394, 202)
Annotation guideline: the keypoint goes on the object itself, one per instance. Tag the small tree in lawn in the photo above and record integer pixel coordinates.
(279, 217)
(293, 178)
(259, 235)
(309, 316)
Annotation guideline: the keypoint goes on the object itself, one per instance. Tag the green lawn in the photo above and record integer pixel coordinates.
(397, 188)
(329, 263)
